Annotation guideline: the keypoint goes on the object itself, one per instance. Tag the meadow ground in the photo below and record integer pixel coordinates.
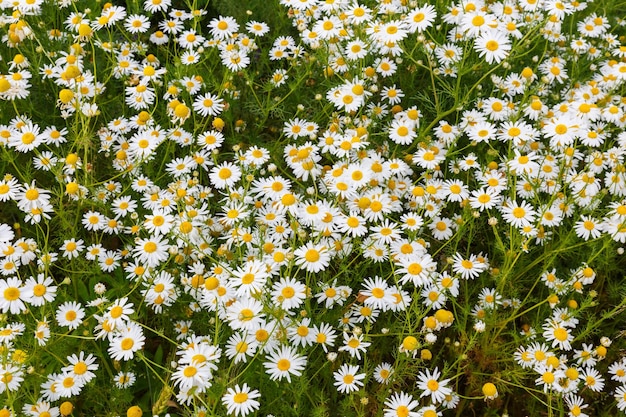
(312, 208)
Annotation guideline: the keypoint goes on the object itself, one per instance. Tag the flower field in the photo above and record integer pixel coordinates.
(312, 208)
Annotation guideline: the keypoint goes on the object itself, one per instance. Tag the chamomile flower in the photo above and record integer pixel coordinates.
(386, 67)
(300, 333)
(30, 197)
(241, 400)
(189, 57)
(575, 405)
(433, 297)
(524, 163)
(246, 313)
(324, 335)
(385, 233)
(40, 290)
(442, 228)
(313, 257)
(137, 24)
(210, 140)
(356, 49)
(70, 314)
(432, 386)
(519, 214)
(558, 334)
(331, 294)
(9, 188)
(392, 94)
(151, 251)
(618, 371)
(225, 175)
(383, 373)
(592, 379)
(429, 158)
(194, 374)
(358, 13)
(562, 131)
(377, 293)
(347, 379)
(484, 199)
(125, 343)
(9, 266)
(402, 132)
(241, 346)
(420, 18)
(489, 299)
(469, 267)
(124, 380)
(481, 132)
(620, 397)
(288, 293)
(190, 39)
(118, 313)
(154, 6)
(223, 27)
(208, 105)
(71, 248)
(45, 162)
(283, 363)
(257, 28)
(586, 356)
(12, 378)
(123, 205)
(81, 367)
(251, 278)
(411, 221)
(12, 296)
(354, 345)
(493, 45)
(588, 228)
(328, 27)
(416, 269)
(401, 404)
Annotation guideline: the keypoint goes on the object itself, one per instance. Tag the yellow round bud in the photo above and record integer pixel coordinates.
(71, 188)
(444, 316)
(490, 390)
(66, 408)
(84, 30)
(218, 123)
(72, 71)
(143, 116)
(5, 85)
(430, 322)
(71, 159)
(66, 95)
(134, 411)
(181, 111)
(409, 343)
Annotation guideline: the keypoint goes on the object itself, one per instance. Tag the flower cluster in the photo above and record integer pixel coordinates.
(212, 205)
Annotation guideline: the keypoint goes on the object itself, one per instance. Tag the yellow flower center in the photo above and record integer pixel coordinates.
(312, 255)
(116, 312)
(127, 343)
(283, 365)
(240, 397)
(288, 292)
(190, 371)
(11, 294)
(150, 247)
